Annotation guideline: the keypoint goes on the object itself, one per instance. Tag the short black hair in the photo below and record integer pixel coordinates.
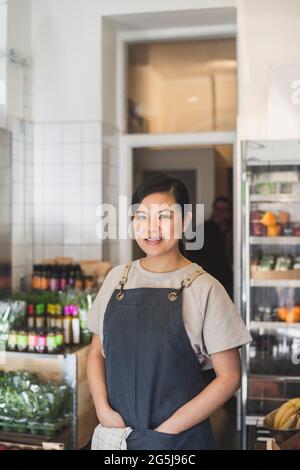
(224, 199)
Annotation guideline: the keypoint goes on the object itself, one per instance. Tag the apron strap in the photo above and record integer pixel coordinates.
(187, 281)
(123, 281)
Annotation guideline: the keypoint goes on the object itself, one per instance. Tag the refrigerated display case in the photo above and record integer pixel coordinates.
(270, 293)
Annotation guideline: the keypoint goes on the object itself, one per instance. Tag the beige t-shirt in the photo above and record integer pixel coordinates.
(212, 321)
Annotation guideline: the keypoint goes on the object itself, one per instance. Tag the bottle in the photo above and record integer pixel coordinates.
(40, 318)
(75, 325)
(54, 282)
(89, 282)
(22, 343)
(78, 278)
(32, 340)
(44, 278)
(40, 309)
(12, 340)
(35, 281)
(59, 338)
(53, 316)
(51, 342)
(59, 316)
(51, 311)
(63, 278)
(41, 342)
(71, 279)
(30, 316)
(67, 321)
(59, 323)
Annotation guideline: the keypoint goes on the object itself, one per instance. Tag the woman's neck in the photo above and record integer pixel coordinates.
(165, 263)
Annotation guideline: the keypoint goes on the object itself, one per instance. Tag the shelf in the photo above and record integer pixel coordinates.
(274, 240)
(275, 378)
(266, 399)
(270, 325)
(67, 351)
(62, 437)
(274, 198)
(275, 283)
(255, 421)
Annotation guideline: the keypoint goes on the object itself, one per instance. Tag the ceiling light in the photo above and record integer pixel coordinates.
(193, 99)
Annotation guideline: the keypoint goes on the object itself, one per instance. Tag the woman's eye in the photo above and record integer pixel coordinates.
(141, 217)
(165, 216)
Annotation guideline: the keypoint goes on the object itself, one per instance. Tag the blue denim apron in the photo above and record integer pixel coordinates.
(151, 367)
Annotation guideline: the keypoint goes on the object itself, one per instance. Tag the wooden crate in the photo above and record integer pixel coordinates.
(291, 274)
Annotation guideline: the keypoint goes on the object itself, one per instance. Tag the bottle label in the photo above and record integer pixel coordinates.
(51, 342)
(23, 341)
(12, 340)
(39, 308)
(41, 341)
(59, 340)
(51, 308)
(32, 340)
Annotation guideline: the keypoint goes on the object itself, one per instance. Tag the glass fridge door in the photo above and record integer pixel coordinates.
(271, 278)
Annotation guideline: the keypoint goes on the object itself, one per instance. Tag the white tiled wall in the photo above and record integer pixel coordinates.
(21, 199)
(61, 172)
(110, 158)
(67, 189)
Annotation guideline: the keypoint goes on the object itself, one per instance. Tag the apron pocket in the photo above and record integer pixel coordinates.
(148, 439)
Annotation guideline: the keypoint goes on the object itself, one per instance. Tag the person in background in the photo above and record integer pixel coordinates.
(216, 255)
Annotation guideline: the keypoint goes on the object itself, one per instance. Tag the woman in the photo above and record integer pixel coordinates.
(158, 322)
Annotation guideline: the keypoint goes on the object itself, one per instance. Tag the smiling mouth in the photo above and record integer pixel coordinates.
(153, 241)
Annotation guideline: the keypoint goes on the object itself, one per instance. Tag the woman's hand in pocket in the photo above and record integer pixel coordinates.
(166, 428)
(110, 418)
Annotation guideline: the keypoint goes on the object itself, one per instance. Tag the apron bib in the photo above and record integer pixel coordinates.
(151, 367)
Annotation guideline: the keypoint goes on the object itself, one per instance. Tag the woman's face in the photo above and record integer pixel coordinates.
(158, 224)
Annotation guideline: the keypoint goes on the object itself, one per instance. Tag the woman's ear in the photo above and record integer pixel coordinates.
(187, 220)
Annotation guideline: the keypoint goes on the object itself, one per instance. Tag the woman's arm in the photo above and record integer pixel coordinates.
(97, 382)
(227, 367)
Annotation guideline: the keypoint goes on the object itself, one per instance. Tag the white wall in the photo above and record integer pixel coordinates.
(66, 52)
(3, 46)
(66, 48)
(19, 38)
(269, 34)
(19, 103)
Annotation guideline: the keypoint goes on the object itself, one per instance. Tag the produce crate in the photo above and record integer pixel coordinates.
(68, 367)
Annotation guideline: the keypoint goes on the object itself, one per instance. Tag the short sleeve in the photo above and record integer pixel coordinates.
(96, 313)
(223, 327)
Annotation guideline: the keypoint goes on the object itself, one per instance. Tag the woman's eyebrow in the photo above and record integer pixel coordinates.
(140, 212)
(165, 210)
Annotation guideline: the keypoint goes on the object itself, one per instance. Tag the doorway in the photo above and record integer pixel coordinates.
(205, 170)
